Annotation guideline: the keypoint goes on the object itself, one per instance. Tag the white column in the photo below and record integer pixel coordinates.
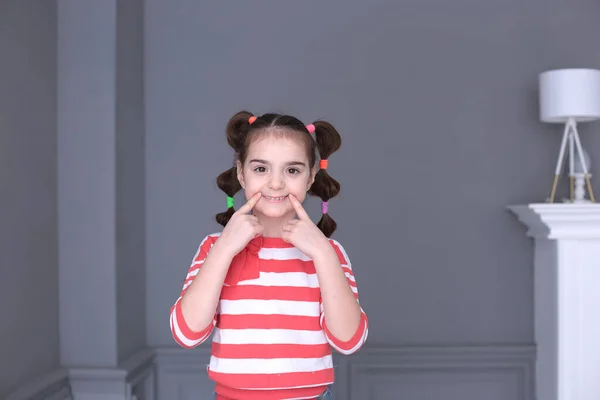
(567, 298)
(87, 198)
(97, 321)
(87, 182)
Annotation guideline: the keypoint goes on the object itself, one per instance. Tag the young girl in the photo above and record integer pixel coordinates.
(277, 292)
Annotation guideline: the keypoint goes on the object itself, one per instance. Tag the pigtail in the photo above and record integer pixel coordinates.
(328, 141)
(228, 182)
(237, 130)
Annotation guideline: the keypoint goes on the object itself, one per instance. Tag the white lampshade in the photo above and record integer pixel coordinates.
(569, 93)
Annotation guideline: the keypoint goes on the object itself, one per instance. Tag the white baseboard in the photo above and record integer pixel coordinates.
(384, 373)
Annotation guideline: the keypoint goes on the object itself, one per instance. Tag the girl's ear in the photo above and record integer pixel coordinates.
(240, 175)
(311, 180)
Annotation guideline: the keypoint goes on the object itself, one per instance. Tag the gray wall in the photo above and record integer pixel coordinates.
(437, 106)
(28, 238)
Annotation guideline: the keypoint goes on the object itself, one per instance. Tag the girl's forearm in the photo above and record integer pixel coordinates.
(341, 308)
(199, 303)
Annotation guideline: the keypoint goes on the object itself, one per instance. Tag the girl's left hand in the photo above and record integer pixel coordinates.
(303, 233)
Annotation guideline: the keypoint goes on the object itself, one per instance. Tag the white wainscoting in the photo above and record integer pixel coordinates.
(134, 379)
(51, 386)
(384, 373)
(181, 373)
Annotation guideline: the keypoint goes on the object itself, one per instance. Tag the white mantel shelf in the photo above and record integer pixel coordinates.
(560, 220)
(567, 297)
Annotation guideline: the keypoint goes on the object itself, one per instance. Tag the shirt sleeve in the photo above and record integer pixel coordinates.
(360, 336)
(183, 335)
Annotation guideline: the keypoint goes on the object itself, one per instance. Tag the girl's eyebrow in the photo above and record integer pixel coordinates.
(300, 163)
(257, 160)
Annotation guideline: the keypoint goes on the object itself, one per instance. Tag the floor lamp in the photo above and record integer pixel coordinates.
(569, 96)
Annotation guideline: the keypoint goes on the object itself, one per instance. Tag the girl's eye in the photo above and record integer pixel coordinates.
(260, 169)
(293, 171)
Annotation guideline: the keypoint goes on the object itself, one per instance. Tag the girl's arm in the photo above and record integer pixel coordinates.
(343, 320)
(193, 316)
(200, 300)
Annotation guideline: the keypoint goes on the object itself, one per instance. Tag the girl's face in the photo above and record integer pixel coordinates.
(276, 166)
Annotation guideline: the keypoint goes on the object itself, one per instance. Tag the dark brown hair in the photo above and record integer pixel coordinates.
(240, 134)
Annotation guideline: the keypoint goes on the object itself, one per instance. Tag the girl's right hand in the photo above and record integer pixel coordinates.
(241, 228)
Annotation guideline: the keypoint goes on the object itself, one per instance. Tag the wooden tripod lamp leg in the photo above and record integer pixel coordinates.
(551, 199)
(583, 165)
(589, 187)
(572, 188)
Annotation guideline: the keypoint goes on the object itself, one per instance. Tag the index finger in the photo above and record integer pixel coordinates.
(302, 214)
(246, 208)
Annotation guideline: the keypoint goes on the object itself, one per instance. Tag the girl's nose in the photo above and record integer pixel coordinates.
(276, 182)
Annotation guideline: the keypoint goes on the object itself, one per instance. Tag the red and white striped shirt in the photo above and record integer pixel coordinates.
(270, 335)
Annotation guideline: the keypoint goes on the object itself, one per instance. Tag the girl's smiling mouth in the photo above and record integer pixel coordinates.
(273, 199)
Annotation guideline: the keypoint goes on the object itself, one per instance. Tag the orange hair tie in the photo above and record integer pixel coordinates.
(251, 119)
(323, 164)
